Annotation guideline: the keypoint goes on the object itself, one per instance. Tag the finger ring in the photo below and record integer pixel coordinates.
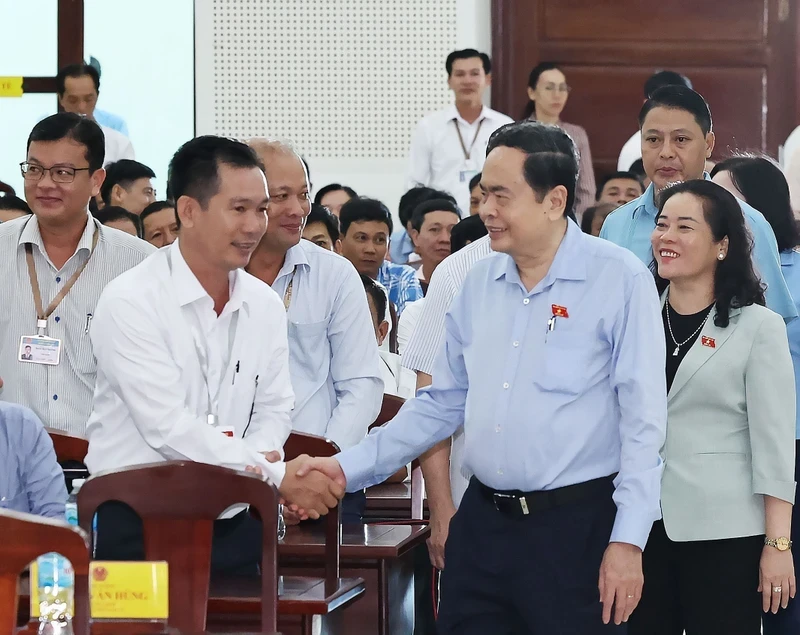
(776, 589)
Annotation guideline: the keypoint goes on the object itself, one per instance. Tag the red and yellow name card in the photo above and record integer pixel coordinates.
(122, 590)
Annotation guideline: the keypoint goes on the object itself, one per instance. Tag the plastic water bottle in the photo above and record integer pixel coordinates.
(56, 580)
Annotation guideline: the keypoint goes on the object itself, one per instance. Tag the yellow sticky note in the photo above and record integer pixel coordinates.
(130, 590)
(10, 87)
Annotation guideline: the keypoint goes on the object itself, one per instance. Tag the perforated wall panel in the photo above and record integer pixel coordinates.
(340, 78)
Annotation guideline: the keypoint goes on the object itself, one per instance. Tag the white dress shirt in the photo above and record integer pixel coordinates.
(436, 158)
(333, 358)
(631, 152)
(427, 337)
(407, 324)
(397, 381)
(118, 146)
(156, 338)
(61, 396)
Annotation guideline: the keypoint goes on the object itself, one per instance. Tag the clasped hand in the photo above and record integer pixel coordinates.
(311, 486)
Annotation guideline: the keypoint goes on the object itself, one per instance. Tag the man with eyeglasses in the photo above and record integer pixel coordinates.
(57, 262)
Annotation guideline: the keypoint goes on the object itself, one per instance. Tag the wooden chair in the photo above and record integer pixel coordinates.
(25, 537)
(178, 502)
(70, 454)
(393, 348)
(239, 598)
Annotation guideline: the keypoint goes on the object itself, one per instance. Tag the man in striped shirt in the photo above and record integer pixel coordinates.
(445, 481)
(57, 262)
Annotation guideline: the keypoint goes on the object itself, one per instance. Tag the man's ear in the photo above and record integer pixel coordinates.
(337, 246)
(383, 332)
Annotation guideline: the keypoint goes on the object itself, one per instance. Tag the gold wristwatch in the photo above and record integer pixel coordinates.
(781, 544)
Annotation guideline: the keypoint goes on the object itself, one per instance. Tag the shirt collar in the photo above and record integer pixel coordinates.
(295, 257)
(452, 113)
(188, 288)
(568, 264)
(649, 197)
(31, 234)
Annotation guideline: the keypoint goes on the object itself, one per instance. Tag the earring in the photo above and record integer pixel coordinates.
(720, 256)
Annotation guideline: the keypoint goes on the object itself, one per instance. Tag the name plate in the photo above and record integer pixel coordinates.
(10, 87)
(121, 590)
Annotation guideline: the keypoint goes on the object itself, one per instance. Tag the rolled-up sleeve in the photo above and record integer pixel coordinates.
(769, 388)
(639, 381)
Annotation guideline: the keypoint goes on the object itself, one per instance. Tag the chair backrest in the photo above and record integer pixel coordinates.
(393, 347)
(301, 443)
(25, 537)
(389, 408)
(178, 502)
(68, 448)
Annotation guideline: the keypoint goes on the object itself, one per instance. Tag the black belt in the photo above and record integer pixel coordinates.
(519, 504)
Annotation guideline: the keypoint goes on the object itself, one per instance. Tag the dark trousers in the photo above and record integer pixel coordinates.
(535, 575)
(702, 587)
(787, 622)
(235, 546)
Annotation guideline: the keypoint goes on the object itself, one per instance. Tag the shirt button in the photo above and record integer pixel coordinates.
(516, 344)
(58, 278)
(505, 385)
(58, 319)
(497, 429)
(526, 301)
(500, 471)
(55, 397)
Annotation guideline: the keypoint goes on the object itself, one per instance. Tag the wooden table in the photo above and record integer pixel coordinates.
(390, 501)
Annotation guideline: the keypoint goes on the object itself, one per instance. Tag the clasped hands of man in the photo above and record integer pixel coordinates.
(310, 488)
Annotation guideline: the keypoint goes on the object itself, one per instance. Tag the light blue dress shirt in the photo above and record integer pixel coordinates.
(631, 226)
(543, 409)
(333, 353)
(31, 480)
(790, 266)
(401, 246)
(110, 120)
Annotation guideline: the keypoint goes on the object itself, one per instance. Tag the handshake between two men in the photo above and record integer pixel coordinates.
(311, 486)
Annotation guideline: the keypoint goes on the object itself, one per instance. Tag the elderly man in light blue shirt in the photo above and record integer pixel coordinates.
(31, 480)
(333, 360)
(677, 139)
(553, 361)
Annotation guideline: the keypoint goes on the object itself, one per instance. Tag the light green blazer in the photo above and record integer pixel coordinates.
(730, 429)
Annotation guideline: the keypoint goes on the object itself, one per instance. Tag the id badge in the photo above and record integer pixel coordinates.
(38, 349)
(468, 170)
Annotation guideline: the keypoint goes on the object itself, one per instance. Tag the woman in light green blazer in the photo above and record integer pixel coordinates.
(720, 555)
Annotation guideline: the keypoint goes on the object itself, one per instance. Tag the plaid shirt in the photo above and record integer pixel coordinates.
(401, 283)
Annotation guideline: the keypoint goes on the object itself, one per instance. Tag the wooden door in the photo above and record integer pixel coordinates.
(741, 55)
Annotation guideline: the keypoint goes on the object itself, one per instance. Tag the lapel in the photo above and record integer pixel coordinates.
(699, 354)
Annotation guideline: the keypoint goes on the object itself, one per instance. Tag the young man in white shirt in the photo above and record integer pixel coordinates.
(192, 355)
(449, 146)
(333, 361)
(78, 87)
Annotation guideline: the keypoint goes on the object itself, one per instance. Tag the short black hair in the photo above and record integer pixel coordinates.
(378, 295)
(475, 181)
(415, 196)
(333, 187)
(14, 203)
(321, 214)
(68, 125)
(764, 187)
(123, 172)
(76, 70)
(588, 215)
(361, 209)
(466, 54)
(659, 79)
(194, 169)
(435, 205)
(632, 176)
(466, 231)
(112, 213)
(533, 80)
(637, 168)
(552, 156)
(153, 208)
(679, 98)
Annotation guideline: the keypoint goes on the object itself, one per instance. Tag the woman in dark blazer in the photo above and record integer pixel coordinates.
(721, 553)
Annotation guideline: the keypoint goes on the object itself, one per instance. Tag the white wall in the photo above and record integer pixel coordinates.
(147, 59)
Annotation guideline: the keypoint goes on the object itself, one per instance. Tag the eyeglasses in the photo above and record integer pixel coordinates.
(59, 174)
(561, 88)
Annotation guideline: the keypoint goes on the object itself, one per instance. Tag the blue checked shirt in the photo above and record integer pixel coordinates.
(400, 281)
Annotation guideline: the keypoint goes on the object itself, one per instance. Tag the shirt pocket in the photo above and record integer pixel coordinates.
(567, 363)
(309, 349)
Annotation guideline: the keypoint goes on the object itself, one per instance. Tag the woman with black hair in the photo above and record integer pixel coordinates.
(759, 181)
(547, 95)
(721, 553)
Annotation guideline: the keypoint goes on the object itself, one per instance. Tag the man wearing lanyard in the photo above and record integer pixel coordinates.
(57, 262)
(448, 146)
(553, 362)
(192, 355)
(333, 360)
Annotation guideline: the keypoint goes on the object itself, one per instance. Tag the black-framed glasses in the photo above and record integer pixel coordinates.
(59, 173)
